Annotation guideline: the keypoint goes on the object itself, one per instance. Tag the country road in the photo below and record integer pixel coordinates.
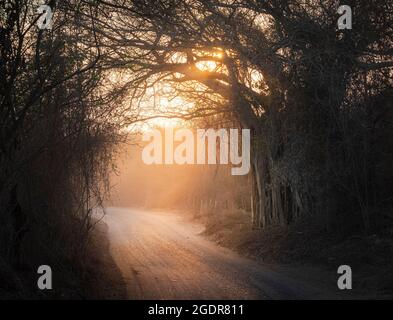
(161, 256)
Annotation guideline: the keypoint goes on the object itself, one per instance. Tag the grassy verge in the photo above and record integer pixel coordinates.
(104, 280)
(307, 244)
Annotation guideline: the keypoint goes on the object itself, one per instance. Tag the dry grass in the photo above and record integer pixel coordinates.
(310, 245)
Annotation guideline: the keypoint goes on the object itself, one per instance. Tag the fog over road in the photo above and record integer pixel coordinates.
(163, 257)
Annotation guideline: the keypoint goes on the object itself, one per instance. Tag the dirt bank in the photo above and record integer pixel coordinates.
(310, 246)
(103, 280)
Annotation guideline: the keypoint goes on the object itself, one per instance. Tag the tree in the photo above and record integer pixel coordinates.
(282, 69)
(56, 140)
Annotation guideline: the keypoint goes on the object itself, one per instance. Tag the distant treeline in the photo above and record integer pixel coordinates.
(318, 99)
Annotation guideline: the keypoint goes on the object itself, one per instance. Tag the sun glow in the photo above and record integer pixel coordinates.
(211, 61)
(208, 66)
(162, 105)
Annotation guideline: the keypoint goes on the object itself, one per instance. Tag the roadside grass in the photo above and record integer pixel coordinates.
(308, 245)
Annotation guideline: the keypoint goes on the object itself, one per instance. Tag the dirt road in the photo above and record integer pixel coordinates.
(163, 257)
